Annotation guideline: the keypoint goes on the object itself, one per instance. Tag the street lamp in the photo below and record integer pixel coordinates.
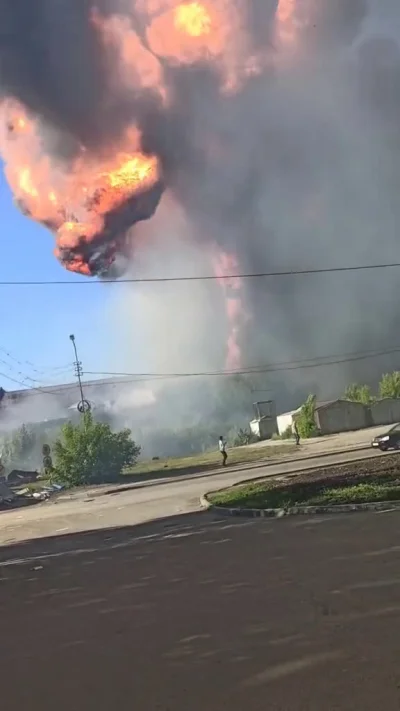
(78, 370)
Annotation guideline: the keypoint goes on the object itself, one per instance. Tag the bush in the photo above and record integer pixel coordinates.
(390, 385)
(358, 393)
(91, 453)
(306, 419)
(244, 437)
(287, 433)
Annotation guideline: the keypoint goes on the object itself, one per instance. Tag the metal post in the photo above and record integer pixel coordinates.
(78, 370)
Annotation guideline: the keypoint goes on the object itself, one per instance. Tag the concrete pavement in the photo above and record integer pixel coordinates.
(144, 502)
(328, 443)
(295, 615)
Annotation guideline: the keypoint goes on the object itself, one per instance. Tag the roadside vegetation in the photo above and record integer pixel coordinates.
(372, 480)
(91, 453)
(389, 387)
(209, 460)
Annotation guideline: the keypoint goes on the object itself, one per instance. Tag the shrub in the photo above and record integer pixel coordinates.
(287, 433)
(91, 453)
(390, 385)
(359, 393)
(244, 437)
(305, 419)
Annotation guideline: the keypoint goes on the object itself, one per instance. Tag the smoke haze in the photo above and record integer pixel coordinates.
(276, 137)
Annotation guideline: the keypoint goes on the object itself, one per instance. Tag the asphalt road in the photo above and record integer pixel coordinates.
(195, 614)
(145, 501)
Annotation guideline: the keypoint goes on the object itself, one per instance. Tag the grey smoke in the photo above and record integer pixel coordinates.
(309, 171)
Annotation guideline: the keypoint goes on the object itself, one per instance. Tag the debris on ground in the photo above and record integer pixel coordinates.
(21, 476)
(6, 494)
(15, 498)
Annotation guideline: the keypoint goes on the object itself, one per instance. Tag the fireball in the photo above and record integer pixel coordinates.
(91, 139)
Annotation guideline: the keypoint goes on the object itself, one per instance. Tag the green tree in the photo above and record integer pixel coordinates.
(390, 385)
(358, 393)
(17, 449)
(306, 418)
(91, 453)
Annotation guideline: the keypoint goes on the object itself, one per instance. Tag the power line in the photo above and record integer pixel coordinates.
(27, 377)
(210, 277)
(33, 390)
(257, 369)
(20, 382)
(316, 362)
(19, 372)
(27, 381)
(35, 368)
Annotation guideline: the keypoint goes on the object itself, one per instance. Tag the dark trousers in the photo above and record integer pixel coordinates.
(297, 437)
(224, 458)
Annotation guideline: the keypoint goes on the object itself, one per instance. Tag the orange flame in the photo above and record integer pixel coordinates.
(225, 265)
(75, 198)
(289, 22)
(285, 21)
(137, 67)
(25, 183)
(193, 18)
(72, 199)
(133, 169)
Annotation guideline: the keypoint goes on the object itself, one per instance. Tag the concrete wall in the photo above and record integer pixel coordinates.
(347, 416)
(385, 412)
(341, 416)
(264, 428)
(286, 420)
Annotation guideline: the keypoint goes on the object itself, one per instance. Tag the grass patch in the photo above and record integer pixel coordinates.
(267, 495)
(357, 494)
(209, 460)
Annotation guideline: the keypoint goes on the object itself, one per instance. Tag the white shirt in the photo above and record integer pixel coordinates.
(222, 445)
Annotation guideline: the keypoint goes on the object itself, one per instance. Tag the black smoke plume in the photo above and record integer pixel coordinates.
(297, 169)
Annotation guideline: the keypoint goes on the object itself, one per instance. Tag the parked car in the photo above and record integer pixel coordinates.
(388, 440)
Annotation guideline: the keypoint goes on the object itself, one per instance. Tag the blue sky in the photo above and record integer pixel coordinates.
(37, 320)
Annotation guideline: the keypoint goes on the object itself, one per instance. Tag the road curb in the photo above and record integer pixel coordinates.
(299, 510)
(294, 472)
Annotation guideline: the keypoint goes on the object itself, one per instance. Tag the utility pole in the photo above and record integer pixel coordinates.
(84, 405)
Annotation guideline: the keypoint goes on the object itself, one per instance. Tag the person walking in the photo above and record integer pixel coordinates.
(222, 449)
(295, 432)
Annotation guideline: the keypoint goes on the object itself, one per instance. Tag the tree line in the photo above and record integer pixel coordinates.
(388, 387)
(88, 452)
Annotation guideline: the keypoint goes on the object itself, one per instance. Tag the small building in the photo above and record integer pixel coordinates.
(340, 416)
(285, 421)
(385, 411)
(264, 424)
